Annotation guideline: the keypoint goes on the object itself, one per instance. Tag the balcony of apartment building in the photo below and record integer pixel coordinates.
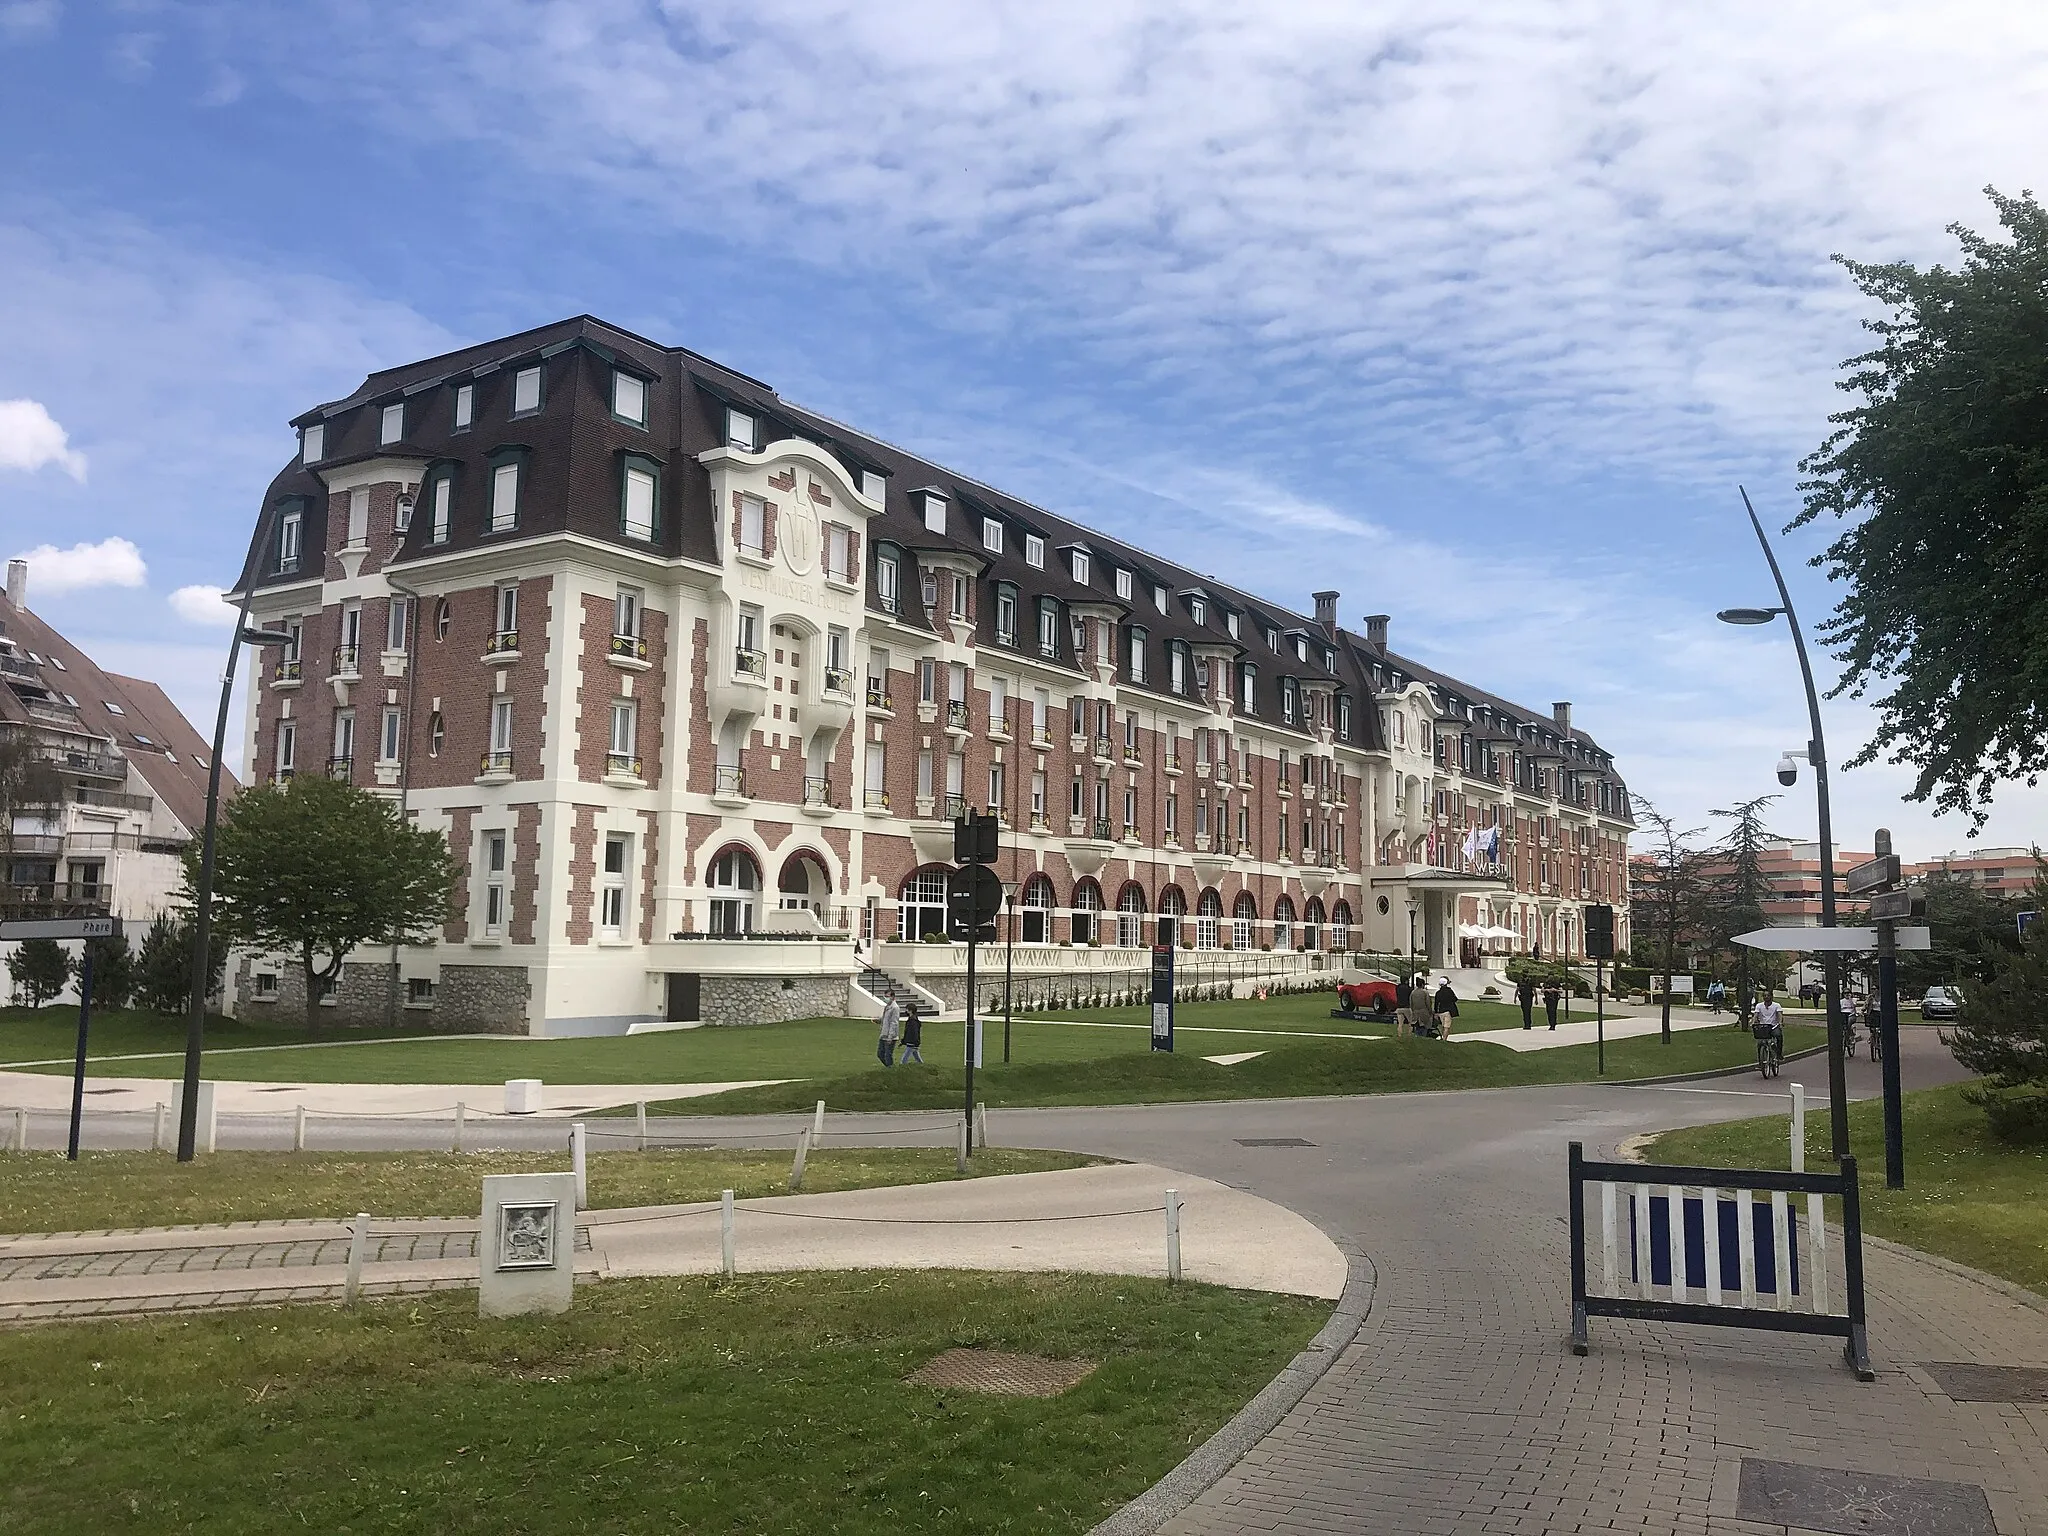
(36, 898)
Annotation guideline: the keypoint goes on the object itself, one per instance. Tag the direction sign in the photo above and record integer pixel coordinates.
(974, 895)
(2025, 920)
(1814, 940)
(1889, 906)
(1874, 875)
(62, 928)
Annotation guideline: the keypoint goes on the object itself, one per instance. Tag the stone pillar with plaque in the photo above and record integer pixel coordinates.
(526, 1246)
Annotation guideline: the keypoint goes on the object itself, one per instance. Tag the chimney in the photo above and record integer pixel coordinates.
(1376, 631)
(17, 584)
(1326, 610)
(1561, 712)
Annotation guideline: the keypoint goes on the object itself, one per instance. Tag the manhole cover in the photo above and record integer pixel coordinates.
(1273, 1141)
(990, 1370)
(1992, 1383)
(1859, 1503)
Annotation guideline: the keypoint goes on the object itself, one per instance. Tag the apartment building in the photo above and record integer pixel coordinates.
(696, 680)
(2007, 873)
(130, 769)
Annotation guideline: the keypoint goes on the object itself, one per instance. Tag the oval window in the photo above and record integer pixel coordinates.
(442, 615)
(435, 734)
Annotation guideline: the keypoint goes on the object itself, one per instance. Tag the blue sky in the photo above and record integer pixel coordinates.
(1475, 311)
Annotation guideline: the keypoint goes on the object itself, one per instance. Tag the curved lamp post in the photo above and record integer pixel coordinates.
(1816, 755)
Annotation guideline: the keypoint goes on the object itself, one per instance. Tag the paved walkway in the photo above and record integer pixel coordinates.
(1100, 1220)
(43, 1091)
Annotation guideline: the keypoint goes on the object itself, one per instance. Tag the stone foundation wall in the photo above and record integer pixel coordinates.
(770, 999)
(467, 998)
(492, 999)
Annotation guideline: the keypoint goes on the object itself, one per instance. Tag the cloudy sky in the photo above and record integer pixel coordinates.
(1476, 311)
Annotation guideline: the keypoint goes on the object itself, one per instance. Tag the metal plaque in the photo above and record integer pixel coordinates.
(526, 1236)
(1785, 1493)
(1872, 876)
(1890, 906)
(62, 928)
(1991, 1383)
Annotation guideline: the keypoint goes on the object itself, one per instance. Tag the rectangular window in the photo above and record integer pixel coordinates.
(494, 883)
(1034, 551)
(836, 641)
(1081, 566)
(501, 727)
(444, 492)
(1048, 627)
(877, 775)
(935, 513)
(289, 533)
(1177, 670)
(508, 610)
(626, 613)
(1173, 815)
(611, 914)
(956, 682)
(313, 443)
(623, 724)
(885, 582)
(1130, 810)
(287, 747)
(1075, 800)
(1248, 685)
(344, 735)
(753, 524)
(998, 703)
(959, 604)
(1123, 585)
(1038, 796)
(465, 406)
(358, 518)
(351, 629)
(992, 535)
(387, 746)
(750, 630)
(739, 430)
(874, 486)
(392, 427)
(525, 391)
(995, 786)
(1138, 663)
(638, 510)
(1006, 616)
(295, 628)
(1159, 598)
(1287, 700)
(839, 553)
(505, 497)
(394, 625)
(924, 774)
(1198, 610)
(956, 773)
(629, 397)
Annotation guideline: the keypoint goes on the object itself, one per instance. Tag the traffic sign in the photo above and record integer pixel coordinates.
(62, 928)
(974, 895)
(1815, 940)
(974, 839)
(2026, 920)
(1600, 932)
(1890, 906)
(1874, 875)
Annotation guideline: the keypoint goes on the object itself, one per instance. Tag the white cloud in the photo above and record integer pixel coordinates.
(201, 604)
(113, 562)
(28, 20)
(30, 438)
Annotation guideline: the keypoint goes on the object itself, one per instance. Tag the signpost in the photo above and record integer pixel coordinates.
(1162, 998)
(1599, 925)
(974, 895)
(1816, 940)
(71, 928)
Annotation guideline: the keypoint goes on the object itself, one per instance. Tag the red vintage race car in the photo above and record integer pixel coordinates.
(1366, 996)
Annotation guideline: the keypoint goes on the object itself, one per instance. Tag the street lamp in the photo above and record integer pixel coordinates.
(1009, 957)
(1788, 773)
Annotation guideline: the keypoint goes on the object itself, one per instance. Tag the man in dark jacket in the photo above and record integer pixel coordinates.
(1446, 1008)
(1551, 993)
(1525, 994)
(1404, 1007)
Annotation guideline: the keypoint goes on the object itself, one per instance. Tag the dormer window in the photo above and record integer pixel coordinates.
(392, 427)
(740, 429)
(1273, 643)
(1232, 623)
(290, 532)
(934, 513)
(1289, 700)
(465, 406)
(313, 443)
(1159, 598)
(1081, 566)
(629, 398)
(1301, 648)
(1329, 659)
(1177, 670)
(874, 486)
(992, 535)
(1123, 585)
(525, 391)
(1034, 551)
(1248, 687)
(1048, 627)
(1137, 662)
(1198, 610)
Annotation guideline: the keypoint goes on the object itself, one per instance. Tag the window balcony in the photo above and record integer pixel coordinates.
(1041, 738)
(340, 768)
(956, 714)
(624, 765)
(12, 665)
(284, 774)
(750, 663)
(1173, 762)
(1007, 638)
(876, 799)
(501, 645)
(818, 793)
(1100, 828)
(345, 664)
(498, 764)
(878, 698)
(729, 780)
(1102, 749)
(839, 681)
(630, 652)
(1133, 758)
(288, 672)
(954, 807)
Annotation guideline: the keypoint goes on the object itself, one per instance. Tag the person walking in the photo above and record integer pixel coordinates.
(1550, 997)
(1445, 1007)
(1404, 1008)
(1525, 994)
(892, 1022)
(913, 1035)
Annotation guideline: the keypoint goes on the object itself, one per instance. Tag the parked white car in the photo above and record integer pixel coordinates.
(1941, 1003)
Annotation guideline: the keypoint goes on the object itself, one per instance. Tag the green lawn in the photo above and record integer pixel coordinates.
(1287, 1069)
(43, 1033)
(770, 1403)
(1298, 1011)
(44, 1193)
(1968, 1196)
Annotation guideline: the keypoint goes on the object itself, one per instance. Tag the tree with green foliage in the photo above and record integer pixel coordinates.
(113, 972)
(1941, 472)
(2003, 1034)
(1666, 891)
(1734, 889)
(163, 980)
(39, 969)
(315, 867)
(1971, 934)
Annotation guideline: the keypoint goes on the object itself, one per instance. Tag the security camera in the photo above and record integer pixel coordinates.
(1788, 770)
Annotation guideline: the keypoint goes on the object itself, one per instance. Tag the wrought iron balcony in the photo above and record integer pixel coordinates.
(496, 762)
(1101, 827)
(1102, 748)
(340, 767)
(345, 661)
(877, 800)
(839, 680)
(817, 791)
(626, 763)
(750, 663)
(289, 669)
(502, 642)
(956, 714)
(955, 807)
(632, 647)
(728, 779)
(878, 697)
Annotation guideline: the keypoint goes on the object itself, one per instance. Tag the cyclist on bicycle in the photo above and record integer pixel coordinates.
(1769, 1026)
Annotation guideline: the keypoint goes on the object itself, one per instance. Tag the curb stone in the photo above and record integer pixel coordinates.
(1173, 1493)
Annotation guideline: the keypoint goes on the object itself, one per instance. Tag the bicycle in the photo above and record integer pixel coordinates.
(1876, 1042)
(1770, 1054)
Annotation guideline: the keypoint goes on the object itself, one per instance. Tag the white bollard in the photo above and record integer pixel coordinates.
(299, 1128)
(725, 1233)
(156, 1134)
(981, 1126)
(1799, 1127)
(640, 1126)
(358, 1240)
(803, 1151)
(960, 1152)
(818, 1125)
(1173, 1235)
(461, 1117)
(578, 1166)
(20, 1141)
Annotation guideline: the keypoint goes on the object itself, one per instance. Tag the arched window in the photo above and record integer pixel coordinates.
(1312, 924)
(803, 884)
(1208, 920)
(1130, 916)
(1244, 920)
(1340, 926)
(1036, 900)
(1283, 923)
(922, 904)
(1087, 902)
(1172, 908)
(437, 733)
(735, 880)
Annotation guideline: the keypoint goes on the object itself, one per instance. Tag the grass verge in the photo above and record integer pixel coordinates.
(51, 1033)
(768, 1403)
(44, 1193)
(1286, 1070)
(1968, 1196)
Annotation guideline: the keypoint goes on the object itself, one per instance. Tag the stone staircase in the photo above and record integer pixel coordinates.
(886, 987)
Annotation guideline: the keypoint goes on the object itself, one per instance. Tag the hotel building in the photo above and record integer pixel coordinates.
(695, 682)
